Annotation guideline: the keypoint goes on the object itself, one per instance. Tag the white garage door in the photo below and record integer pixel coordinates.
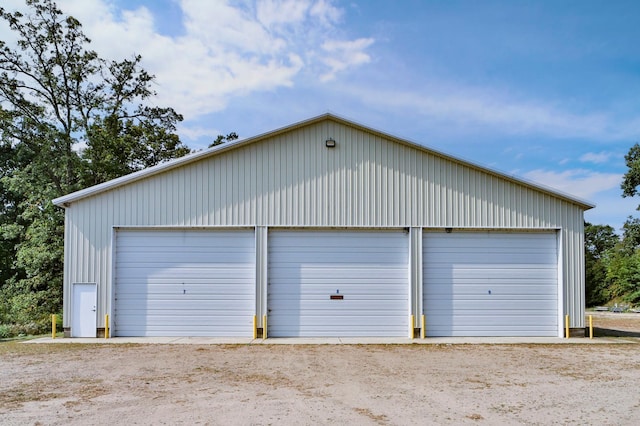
(490, 284)
(338, 283)
(184, 283)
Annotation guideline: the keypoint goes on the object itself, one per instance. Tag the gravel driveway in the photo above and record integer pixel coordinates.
(319, 384)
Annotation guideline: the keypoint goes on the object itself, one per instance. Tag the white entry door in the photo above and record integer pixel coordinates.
(83, 322)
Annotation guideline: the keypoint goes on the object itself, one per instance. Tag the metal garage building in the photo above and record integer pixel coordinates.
(324, 228)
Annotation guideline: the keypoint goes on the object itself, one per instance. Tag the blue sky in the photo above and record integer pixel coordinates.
(545, 90)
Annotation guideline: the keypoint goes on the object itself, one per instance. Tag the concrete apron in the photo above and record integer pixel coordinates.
(336, 340)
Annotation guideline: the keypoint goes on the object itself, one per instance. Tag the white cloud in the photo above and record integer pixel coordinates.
(326, 12)
(344, 54)
(596, 158)
(581, 183)
(278, 12)
(227, 49)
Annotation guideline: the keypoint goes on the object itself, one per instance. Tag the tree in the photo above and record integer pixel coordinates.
(57, 96)
(599, 241)
(631, 235)
(222, 139)
(631, 179)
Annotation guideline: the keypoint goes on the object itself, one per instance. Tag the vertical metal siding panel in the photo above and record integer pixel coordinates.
(363, 182)
(222, 196)
(90, 247)
(100, 231)
(248, 170)
(169, 206)
(334, 174)
(295, 208)
(397, 186)
(259, 184)
(578, 296)
(188, 208)
(261, 272)
(307, 188)
(422, 188)
(367, 181)
(456, 190)
(347, 170)
(411, 194)
(437, 200)
(214, 192)
(331, 187)
(415, 271)
(198, 182)
(236, 189)
(82, 239)
(382, 183)
(70, 241)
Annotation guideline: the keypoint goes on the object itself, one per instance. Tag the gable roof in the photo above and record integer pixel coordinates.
(66, 200)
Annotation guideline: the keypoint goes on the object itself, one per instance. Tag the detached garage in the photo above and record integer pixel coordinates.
(322, 228)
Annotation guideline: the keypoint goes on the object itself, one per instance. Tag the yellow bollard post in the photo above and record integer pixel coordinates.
(255, 327)
(264, 326)
(53, 326)
(106, 326)
(566, 326)
(412, 320)
(590, 326)
(423, 323)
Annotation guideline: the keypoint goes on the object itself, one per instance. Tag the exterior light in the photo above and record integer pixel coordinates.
(330, 143)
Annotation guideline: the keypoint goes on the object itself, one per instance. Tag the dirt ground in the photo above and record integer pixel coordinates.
(325, 384)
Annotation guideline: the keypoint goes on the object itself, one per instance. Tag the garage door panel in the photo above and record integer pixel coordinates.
(315, 275)
(369, 269)
(513, 322)
(524, 257)
(184, 289)
(498, 307)
(176, 279)
(490, 283)
(184, 283)
(501, 331)
(444, 292)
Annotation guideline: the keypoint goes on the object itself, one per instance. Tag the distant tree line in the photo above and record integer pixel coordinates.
(612, 262)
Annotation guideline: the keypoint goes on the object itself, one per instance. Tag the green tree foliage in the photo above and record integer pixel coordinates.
(68, 119)
(222, 139)
(631, 179)
(623, 265)
(599, 241)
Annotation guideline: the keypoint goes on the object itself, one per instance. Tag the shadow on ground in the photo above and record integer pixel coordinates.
(608, 332)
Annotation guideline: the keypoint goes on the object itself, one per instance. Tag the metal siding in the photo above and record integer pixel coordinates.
(293, 180)
(369, 269)
(490, 284)
(184, 283)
